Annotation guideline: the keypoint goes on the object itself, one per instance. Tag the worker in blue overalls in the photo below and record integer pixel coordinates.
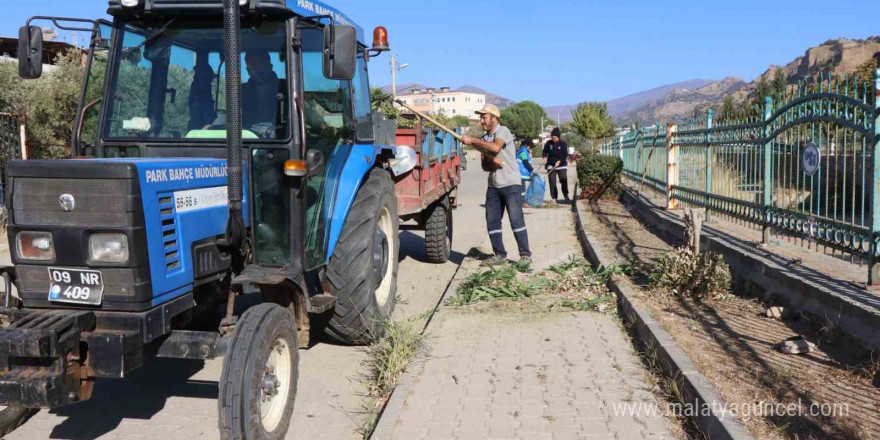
(524, 158)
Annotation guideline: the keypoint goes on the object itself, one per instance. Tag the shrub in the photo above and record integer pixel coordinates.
(682, 273)
(599, 175)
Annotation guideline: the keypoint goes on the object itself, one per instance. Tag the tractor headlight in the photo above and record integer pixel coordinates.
(35, 246)
(130, 3)
(108, 248)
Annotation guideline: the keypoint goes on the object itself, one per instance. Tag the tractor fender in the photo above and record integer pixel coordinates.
(355, 166)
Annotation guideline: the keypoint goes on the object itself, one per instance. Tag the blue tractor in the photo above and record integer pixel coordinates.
(234, 161)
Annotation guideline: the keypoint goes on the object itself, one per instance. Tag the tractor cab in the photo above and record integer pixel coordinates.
(222, 148)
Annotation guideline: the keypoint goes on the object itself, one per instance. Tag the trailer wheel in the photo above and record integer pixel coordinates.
(363, 269)
(260, 371)
(438, 232)
(11, 417)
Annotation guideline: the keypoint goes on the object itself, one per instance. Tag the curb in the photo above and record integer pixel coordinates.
(391, 413)
(696, 390)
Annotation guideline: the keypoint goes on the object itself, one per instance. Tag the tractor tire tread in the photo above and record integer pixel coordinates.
(435, 233)
(235, 364)
(356, 317)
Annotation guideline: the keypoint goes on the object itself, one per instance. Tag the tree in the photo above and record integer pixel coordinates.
(383, 102)
(865, 75)
(764, 90)
(459, 121)
(592, 121)
(727, 108)
(780, 82)
(524, 119)
(50, 103)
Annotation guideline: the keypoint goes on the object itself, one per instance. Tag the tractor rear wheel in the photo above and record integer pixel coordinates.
(438, 232)
(363, 269)
(260, 371)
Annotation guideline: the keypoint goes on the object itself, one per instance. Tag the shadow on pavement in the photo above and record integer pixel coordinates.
(141, 396)
(413, 246)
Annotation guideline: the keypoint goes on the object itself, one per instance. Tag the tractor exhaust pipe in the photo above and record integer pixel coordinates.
(232, 43)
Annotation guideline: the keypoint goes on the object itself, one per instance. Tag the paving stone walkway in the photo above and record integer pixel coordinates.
(491, 378)
(497, 374)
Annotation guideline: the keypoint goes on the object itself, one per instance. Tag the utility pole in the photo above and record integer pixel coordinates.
(395, 67)
(393, 77)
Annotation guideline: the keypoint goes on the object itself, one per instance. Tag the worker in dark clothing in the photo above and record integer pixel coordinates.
(260, 95)
(556, 163)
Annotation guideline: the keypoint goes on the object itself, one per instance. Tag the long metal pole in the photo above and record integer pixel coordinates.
(393, 77)
(232, 41)
(768, 172)
(874, 145)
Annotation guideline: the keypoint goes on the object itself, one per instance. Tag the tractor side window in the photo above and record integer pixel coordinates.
(361, 89)
(328, 116)
(271, 207)
(95, 86)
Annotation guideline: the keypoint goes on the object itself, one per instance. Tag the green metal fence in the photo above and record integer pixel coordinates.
(803, 164)
(644, 154)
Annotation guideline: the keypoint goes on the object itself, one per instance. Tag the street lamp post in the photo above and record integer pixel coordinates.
(395, 67)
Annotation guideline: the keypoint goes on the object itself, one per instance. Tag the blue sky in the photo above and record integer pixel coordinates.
(567, 51)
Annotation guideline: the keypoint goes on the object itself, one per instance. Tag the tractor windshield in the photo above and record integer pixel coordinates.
(168, 81)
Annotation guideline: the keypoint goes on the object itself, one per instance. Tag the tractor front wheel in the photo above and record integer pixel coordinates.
(260, 371)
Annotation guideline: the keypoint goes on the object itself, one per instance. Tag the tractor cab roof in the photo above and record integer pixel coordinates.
(288, 8)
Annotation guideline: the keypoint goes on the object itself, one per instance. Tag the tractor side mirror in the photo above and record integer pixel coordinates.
(30, 52)
(314, 162)
(340, 52)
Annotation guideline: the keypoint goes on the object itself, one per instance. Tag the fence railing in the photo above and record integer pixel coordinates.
(804, 164)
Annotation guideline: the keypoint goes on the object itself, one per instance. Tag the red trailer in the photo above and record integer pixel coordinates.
(426, 194)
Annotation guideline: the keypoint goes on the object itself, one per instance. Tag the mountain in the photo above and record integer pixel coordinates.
(491, 98)
(620, 106)
(839, 57)
(682, 103)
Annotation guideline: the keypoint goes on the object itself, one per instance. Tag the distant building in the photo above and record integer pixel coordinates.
(444, 101)
(51, 50)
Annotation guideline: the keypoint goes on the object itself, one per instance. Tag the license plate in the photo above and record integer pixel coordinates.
(75, 286)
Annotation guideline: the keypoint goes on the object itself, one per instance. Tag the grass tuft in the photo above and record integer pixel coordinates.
(496, 283)
(387, 360)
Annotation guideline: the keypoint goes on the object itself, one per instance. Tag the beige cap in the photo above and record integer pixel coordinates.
(491, 109)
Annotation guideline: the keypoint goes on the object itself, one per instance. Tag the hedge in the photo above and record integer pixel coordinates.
(599, 175)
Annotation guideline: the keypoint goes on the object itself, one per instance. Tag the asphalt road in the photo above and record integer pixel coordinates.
(176, 399)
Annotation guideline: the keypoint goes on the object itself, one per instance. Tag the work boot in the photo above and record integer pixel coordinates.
(494, 261)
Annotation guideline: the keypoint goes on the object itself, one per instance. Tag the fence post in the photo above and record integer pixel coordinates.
(873, 265)
(672, 166)
(768, 171)
(709, 158)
